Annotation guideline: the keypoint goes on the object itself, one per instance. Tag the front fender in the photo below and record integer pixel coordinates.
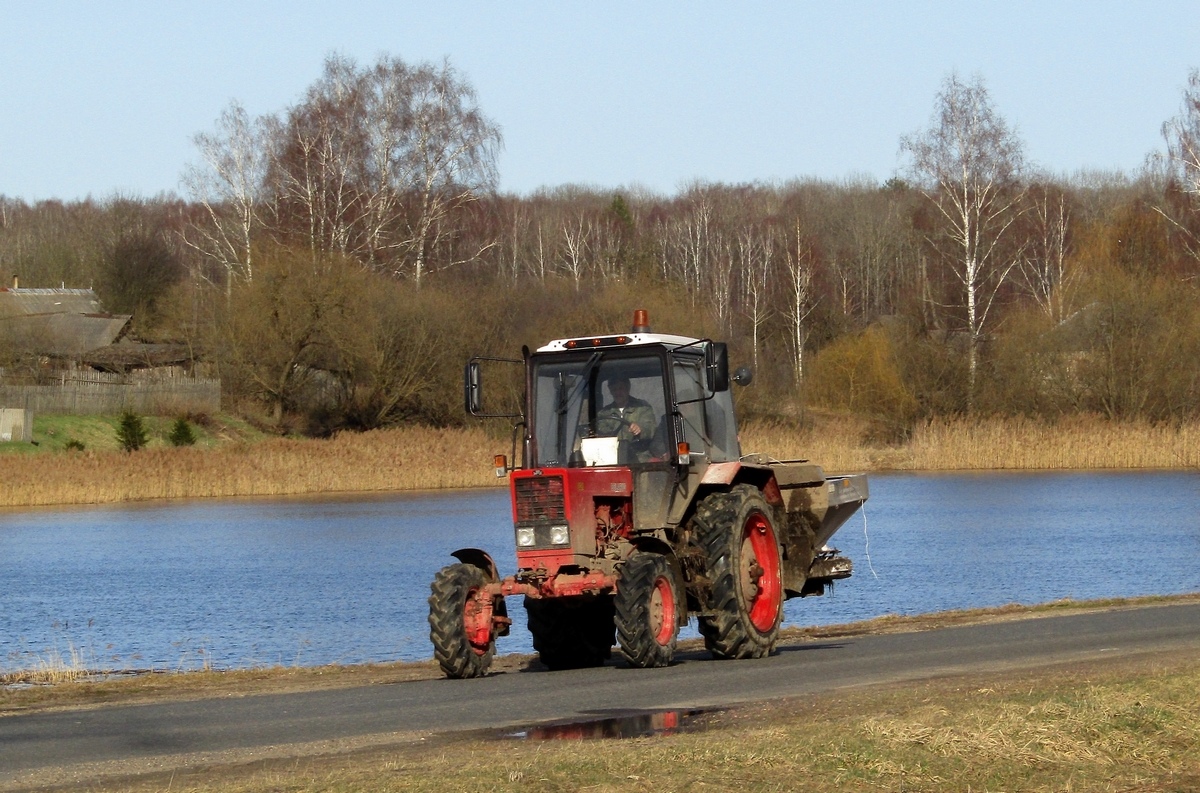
(480, 559)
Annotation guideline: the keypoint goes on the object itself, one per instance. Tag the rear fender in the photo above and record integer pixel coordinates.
(719, 476)
(652, 545)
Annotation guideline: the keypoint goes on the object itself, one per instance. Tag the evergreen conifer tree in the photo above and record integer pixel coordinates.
(131, 433)
(181, 433)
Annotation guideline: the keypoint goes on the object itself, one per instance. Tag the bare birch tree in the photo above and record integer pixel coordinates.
(576, 235)
(1182, 135)
(450, 155)
(1043, 267)
(698, 242)
(228, 184)
(801, 269)
(316, 158)
(374, 162)
(720, 279)
(969, 164)
(756, 249)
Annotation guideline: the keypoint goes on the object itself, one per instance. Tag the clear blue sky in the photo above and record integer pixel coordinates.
(104, 97)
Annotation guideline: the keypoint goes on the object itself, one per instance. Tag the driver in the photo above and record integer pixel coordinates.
(628, 418)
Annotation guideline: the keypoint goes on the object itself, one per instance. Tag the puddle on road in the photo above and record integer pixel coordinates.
(632, 725)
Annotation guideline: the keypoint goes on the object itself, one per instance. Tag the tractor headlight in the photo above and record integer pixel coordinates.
(524, 537)
(560, 535)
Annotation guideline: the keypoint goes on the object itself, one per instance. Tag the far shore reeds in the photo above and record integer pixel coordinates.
(420, 458)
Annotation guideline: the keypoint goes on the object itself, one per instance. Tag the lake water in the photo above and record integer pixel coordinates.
(311, 581)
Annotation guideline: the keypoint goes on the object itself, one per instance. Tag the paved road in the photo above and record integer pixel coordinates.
(37, 742)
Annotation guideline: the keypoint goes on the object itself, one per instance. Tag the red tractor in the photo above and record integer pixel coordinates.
(634, 508)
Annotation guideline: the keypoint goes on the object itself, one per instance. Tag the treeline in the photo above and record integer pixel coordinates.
(339, 261)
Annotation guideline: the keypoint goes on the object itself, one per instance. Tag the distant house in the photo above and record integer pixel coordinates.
(85, 362)
(72, 324)
(58, 322)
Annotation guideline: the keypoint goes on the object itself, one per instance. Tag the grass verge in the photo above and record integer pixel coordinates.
(1120, 725)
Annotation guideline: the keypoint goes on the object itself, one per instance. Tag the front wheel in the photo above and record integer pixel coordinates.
(460, 621)
(646, 604)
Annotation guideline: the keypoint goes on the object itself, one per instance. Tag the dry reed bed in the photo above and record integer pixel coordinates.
(410, 458)
(991, 444)
(418, 458)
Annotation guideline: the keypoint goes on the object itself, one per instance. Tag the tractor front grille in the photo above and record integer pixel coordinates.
(540, 499)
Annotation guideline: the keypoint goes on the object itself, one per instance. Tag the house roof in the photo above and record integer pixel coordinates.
(136, 355)
(31, 302)
(58, 321)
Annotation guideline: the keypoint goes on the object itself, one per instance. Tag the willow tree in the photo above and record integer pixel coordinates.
(968, 163)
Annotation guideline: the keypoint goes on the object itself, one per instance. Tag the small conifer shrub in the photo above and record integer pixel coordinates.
(181, 433)
(131, 433)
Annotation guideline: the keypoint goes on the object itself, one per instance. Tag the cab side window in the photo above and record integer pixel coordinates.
(689, 385)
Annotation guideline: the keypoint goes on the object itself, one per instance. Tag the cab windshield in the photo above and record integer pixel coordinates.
(599, 409)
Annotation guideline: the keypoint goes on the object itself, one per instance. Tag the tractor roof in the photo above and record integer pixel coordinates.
(617, 340)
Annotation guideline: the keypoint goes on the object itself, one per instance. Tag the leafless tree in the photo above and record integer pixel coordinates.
(228, 184)
(449, 154)
(756, 260)
(1182, 165)
(1182, 134)
(576, 234)
(1043, 267)
(699, 246)
(374, 162)
(720, 280)
(968, 164)
(801, 268)
(319, 165)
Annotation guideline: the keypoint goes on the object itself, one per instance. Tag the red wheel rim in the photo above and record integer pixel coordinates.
(760, 572)
(477, 622)
(662, 611)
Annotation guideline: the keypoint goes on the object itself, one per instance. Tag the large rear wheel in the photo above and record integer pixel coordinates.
(646, 608)
(742, 553)
(571, 633)
(460, 621)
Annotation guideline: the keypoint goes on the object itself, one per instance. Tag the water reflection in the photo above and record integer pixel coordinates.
(632, 725)
(322, 580)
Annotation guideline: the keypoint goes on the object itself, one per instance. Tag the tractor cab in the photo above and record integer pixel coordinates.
(637, 400)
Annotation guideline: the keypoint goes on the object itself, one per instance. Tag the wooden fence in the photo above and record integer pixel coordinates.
(108, 395)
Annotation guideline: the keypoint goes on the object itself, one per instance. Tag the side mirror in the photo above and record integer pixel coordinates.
(744, 376)
(473, 388)
(716, 366)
